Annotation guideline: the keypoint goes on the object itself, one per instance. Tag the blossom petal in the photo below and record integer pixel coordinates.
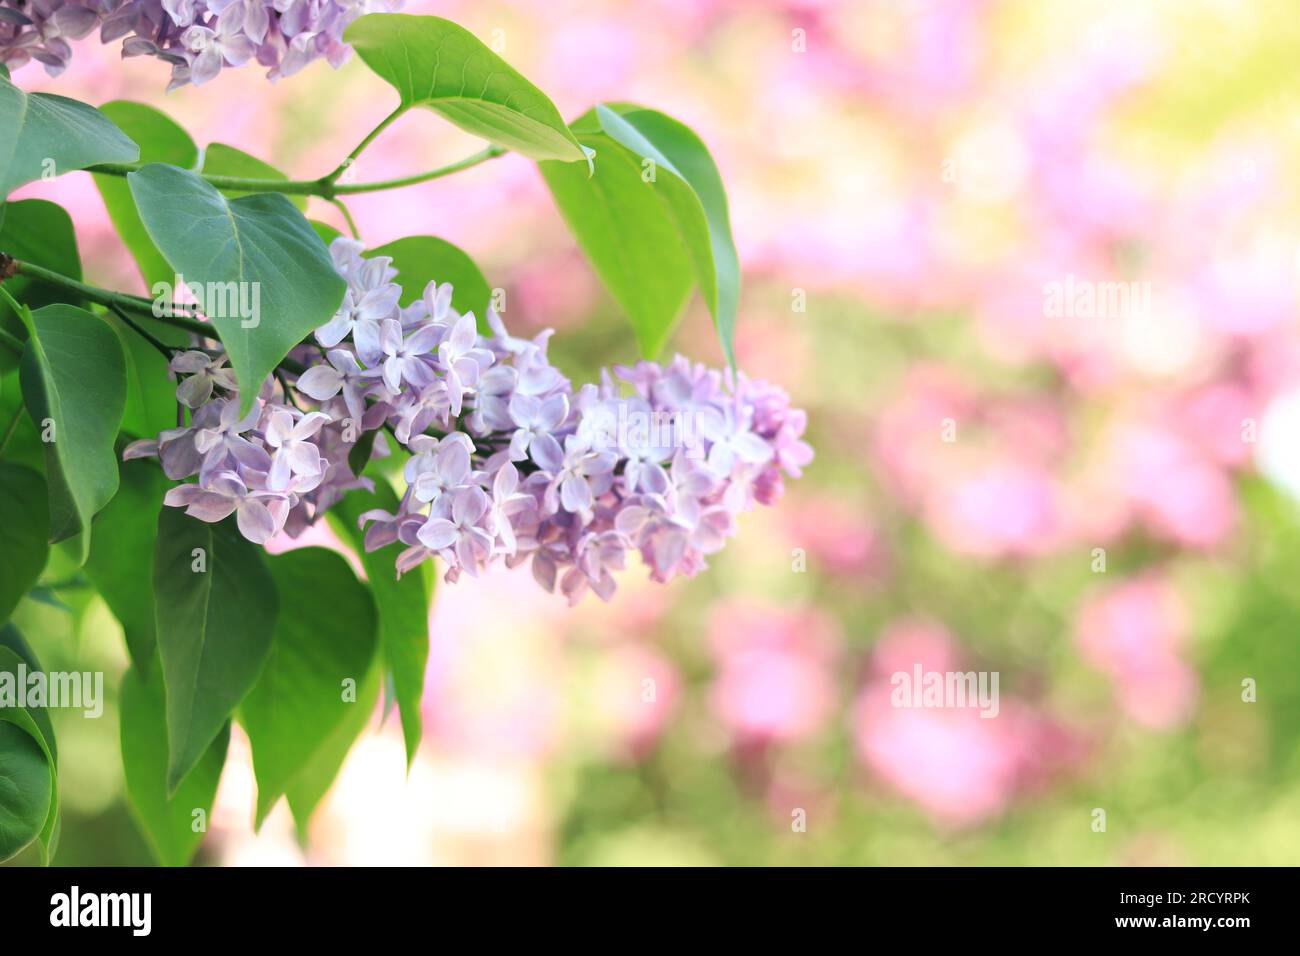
(194, 391)
(437, 533)
(255, 521)
(575, 494)
(547, 454)
(468, 506)
(321, 382)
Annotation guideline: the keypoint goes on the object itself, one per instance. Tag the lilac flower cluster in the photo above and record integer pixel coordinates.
(197, 37)
(506, 460)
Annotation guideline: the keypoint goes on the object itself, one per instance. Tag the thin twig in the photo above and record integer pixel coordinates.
(167, 350)
(325, 187)
(347, 217)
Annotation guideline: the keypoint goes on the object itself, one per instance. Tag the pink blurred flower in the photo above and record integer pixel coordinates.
(959, 767)
(1180, 494)
(910, 429)
(1214, 417)
(839, 539)
(775, 679)
(636, 693)
(1135, 632)
(997, 509)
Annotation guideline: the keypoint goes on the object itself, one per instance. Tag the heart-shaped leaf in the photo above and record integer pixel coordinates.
(266, 276)
(319, 657)
(74, 385)
(216, 607)
(43, 134)
(438, 64)
(169, 822)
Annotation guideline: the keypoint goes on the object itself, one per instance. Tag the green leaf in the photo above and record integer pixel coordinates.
(34, 721)
(313, 781)
(26, 789)
(11, 638)
(25, 446)
(24, 533)
(168, 822)
(151, 392)
(123, 546)
(262, 245)
(150, 387)
(672, 144)
(361, 451)
(222, 160)
(74, 377)
(435, 63)
(299, 698)
(420, 260)
(403, 606)
(40, 232)
(216, 609)
(652, 220)
(161, 140)
(41, 134)
(326, 232)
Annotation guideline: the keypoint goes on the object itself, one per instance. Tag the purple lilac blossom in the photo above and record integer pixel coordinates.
(507, 462)
(197, 37)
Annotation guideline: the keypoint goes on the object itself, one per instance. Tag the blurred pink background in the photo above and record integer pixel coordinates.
(1096, 506)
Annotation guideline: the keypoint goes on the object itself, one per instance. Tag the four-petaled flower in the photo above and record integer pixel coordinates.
(534, 417)
(323, 382)
(456, 528)
(444, 469)
(215, 48)
(359, 316)
(462, 360)
(572, 471)
(732, 441)
(204, 373)
(225, 440)
(296, 463)
(405, 357)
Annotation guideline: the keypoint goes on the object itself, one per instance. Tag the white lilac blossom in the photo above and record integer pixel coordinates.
(507, 462)
(197, 37)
